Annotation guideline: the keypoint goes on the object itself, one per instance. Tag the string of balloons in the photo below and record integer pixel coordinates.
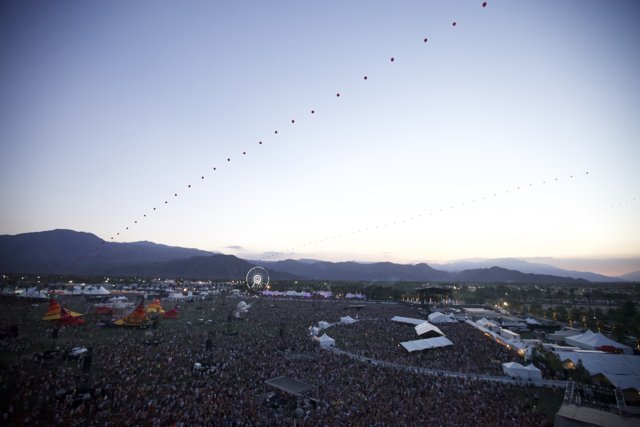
(229, 158)
(428, 214)
(591, 213)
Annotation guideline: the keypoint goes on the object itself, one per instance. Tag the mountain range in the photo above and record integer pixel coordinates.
(72, 252)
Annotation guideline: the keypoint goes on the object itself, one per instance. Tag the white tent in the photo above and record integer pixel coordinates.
(596, 341)
(35, 293)
(535, 374)
(509, 335)
(426, 327)
(516, 370)
(326, 341)
(96, 290)
(438, 317)
(419, 345)
(621, 370)
(347, 320)
(358, 296)
(174, 296)
(408, 320)
(488, 324)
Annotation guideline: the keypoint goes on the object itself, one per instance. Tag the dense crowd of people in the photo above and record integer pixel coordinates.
(471, 352)
(133, 379)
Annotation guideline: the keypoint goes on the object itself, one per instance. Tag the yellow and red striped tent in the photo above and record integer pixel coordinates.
(54, 312)
(155, 307)
(137, 317)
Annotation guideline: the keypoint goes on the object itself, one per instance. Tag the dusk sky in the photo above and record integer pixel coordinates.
(514, 133)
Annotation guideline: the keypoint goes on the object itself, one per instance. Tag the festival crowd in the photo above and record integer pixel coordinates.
(209, 368)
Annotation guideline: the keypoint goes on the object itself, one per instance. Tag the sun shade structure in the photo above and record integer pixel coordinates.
(426, 328)
(347, 320)
(289, 385)
(420, 345)
(408, 320)
(56, 312)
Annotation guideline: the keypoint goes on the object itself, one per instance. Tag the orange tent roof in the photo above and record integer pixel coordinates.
(54, 312)
(155, 307)
(171, 314)
(66, 318)
(137, 317)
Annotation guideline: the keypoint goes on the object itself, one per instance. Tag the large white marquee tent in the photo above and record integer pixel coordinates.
(596, 341)
(428, 328)
(408, 320)
(419, 345)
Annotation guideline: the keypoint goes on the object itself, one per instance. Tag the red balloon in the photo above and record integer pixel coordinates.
(454, 23)
(165, 202)
(393, 59)
(484, 4)
(175, 194)
(228, 159)
(145, 215)
(426, 39)
(154, 209)
(202, 177)
(126, 228)
(338, 94)
(293, 121)
(260, 142)
(189, 185)
(276, 132)
(135, 222)
(313, 111)
(244, 152)
(365, 77)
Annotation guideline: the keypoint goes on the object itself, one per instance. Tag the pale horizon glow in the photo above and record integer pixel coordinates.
(109, 108)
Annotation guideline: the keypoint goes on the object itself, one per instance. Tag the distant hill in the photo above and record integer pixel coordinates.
(352, 271)
(525, 267)
(498, 274)
(390, 272)
(215, 267)
(72, 252)
(633, 276)
(67, 251)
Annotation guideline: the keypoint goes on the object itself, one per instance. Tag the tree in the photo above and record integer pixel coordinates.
(580, 374)
(628, 311)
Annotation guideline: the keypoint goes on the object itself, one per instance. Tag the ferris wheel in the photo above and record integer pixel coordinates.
(257, 277)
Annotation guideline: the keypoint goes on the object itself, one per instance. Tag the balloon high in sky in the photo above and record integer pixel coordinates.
(365, 130)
